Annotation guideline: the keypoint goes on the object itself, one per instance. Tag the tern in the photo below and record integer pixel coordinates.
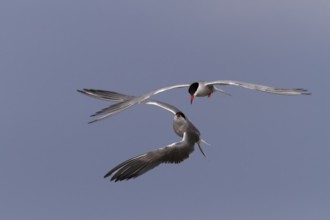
(196, 89)
(172, 153)
(201, 88)
(119, 97)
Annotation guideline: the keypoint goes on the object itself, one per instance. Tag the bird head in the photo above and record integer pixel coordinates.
(180, 115)
(192, 90)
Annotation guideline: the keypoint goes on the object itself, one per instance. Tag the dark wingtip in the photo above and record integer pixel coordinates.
(303, 91)
(83, 91)
(92, 121)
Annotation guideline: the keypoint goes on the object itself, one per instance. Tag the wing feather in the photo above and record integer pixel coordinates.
(263, 88)
(136, 166)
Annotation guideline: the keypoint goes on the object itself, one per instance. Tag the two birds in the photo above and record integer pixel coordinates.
(178, 151)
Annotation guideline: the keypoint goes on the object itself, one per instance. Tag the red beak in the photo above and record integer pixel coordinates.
(192, 99)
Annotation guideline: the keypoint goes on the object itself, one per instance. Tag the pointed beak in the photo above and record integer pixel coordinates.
(201, 149)
(192, 99)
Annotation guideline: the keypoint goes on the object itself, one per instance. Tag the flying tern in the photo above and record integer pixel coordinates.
(119, 97)
(172, 153)
(196, 89)
(202, 88)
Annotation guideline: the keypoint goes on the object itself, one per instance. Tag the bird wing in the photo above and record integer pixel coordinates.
(136, 166)
(105, 95)
(125, 101)
(165, 89)
(121, 106)
(163, 105)
(280, 91)
(112, 109)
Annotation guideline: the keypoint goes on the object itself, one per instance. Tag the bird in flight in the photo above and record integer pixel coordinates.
(196, 89)
(172, 153)
(201, 88)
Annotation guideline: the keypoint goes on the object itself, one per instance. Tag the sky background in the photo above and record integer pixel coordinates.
(269, 154)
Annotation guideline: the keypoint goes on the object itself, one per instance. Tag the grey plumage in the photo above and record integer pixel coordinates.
(136, 166)
(199, 89)
(173, 153)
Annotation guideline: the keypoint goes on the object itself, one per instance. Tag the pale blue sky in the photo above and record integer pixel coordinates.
(269, 154)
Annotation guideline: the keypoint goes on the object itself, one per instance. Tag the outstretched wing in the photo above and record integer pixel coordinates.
(116, 108)
(124, 101)
(105, 95)
(136, 166)
(280, 91)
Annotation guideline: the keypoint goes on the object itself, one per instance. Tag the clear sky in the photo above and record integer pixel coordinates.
(269, 154)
